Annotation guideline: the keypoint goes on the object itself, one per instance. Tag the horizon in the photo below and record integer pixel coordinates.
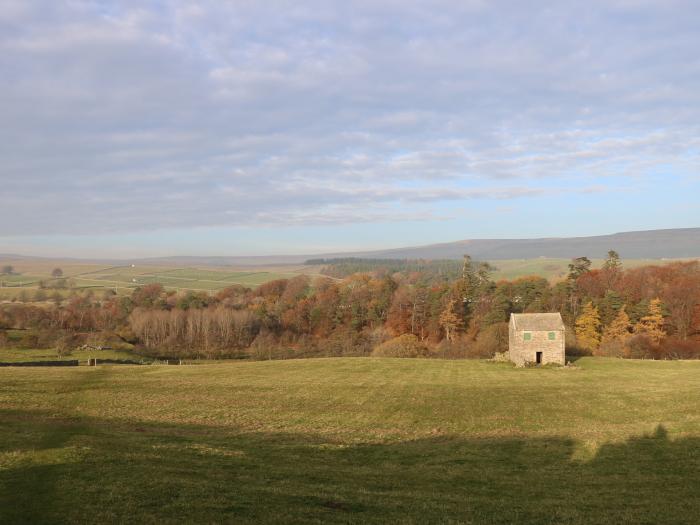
(350, 253)
(139, 130)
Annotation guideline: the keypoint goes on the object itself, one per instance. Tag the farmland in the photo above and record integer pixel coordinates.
(352, 441)
(122, 279)
(29, 274)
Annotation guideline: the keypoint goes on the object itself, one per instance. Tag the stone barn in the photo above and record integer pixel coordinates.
(536, 338)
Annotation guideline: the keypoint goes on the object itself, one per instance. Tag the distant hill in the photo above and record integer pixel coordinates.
(654, 244)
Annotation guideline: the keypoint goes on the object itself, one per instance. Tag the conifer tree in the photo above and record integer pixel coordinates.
(652, 324)
(619, 330)
(588, 327)
(612, 268)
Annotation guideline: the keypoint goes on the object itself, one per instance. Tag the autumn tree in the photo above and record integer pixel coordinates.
(617, 334)
(450, 321)
(588, 328)
(652, 324)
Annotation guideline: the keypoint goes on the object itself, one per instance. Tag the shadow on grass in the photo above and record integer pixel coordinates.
(100, 471)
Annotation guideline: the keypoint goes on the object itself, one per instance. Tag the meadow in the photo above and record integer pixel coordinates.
(352, 440)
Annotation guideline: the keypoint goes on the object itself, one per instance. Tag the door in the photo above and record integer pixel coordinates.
(538, 357)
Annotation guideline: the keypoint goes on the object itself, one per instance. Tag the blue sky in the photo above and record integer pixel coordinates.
(243, 127)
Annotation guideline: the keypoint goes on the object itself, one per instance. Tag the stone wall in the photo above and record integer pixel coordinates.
(522, 352)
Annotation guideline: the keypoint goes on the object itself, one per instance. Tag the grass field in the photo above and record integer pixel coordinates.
(352, 441)
(553, 269)
(13, 355)
(123, 279)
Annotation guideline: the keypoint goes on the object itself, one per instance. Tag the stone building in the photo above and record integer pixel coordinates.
(536, 338)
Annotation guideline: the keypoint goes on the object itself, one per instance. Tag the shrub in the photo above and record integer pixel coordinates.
(457, 349)
(346, 342)
(675, 348)
(640, 347)
(406, 345)
(491, 340)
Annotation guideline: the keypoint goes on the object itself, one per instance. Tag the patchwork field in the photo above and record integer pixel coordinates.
(123, 279)
(352, 441)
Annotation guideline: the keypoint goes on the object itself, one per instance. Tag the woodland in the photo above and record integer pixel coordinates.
(418, 309)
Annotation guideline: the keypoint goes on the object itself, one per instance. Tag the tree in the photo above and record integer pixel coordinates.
(617, 333)
(450, 321)
(469, 283)
(587, 328)
(8, 269)
(652, 324)
(612, 267)
(56, 273)
(577, 268)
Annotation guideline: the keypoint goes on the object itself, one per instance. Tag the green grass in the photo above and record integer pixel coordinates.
(125, 278)
(13, 355)
(352, 441)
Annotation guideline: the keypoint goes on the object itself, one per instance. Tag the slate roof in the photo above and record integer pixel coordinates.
(538, 322)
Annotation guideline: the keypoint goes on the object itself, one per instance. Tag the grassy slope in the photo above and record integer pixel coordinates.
(352, 440)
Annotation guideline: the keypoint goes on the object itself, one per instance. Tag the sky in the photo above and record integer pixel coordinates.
(243, 127)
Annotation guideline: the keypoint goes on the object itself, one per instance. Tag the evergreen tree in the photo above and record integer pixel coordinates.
(499, 309)
(609, 306)
(577, 268)
(587, 328)
(612, 268)
(652, 324)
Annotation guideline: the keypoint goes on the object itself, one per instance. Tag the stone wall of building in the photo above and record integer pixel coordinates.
(522, 351)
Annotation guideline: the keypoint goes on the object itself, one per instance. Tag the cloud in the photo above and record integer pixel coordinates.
(119, 117)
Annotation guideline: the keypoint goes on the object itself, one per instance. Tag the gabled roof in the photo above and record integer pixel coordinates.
(538, 322)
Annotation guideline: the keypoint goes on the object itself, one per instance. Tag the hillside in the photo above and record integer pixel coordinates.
(653, 244)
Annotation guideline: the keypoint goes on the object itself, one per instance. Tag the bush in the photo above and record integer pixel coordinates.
(407, 345)
(674, 348)
(615, 348)
(640, 347)
(491, 340)
(457, 349)
(346, 342)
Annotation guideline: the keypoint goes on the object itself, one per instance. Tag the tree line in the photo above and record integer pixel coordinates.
(648, 312)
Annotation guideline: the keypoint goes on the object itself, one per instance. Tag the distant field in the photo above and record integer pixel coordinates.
(352, 441)
(553, 269)
(123, 279)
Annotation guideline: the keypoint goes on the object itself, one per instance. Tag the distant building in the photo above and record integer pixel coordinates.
(536, 338)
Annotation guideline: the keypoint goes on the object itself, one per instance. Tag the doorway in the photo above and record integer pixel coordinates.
(538, 358)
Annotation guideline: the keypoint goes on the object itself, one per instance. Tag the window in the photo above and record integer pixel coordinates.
(527, 336)
(551, 336)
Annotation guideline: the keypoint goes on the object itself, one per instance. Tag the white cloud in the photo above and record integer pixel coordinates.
(119, 117)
